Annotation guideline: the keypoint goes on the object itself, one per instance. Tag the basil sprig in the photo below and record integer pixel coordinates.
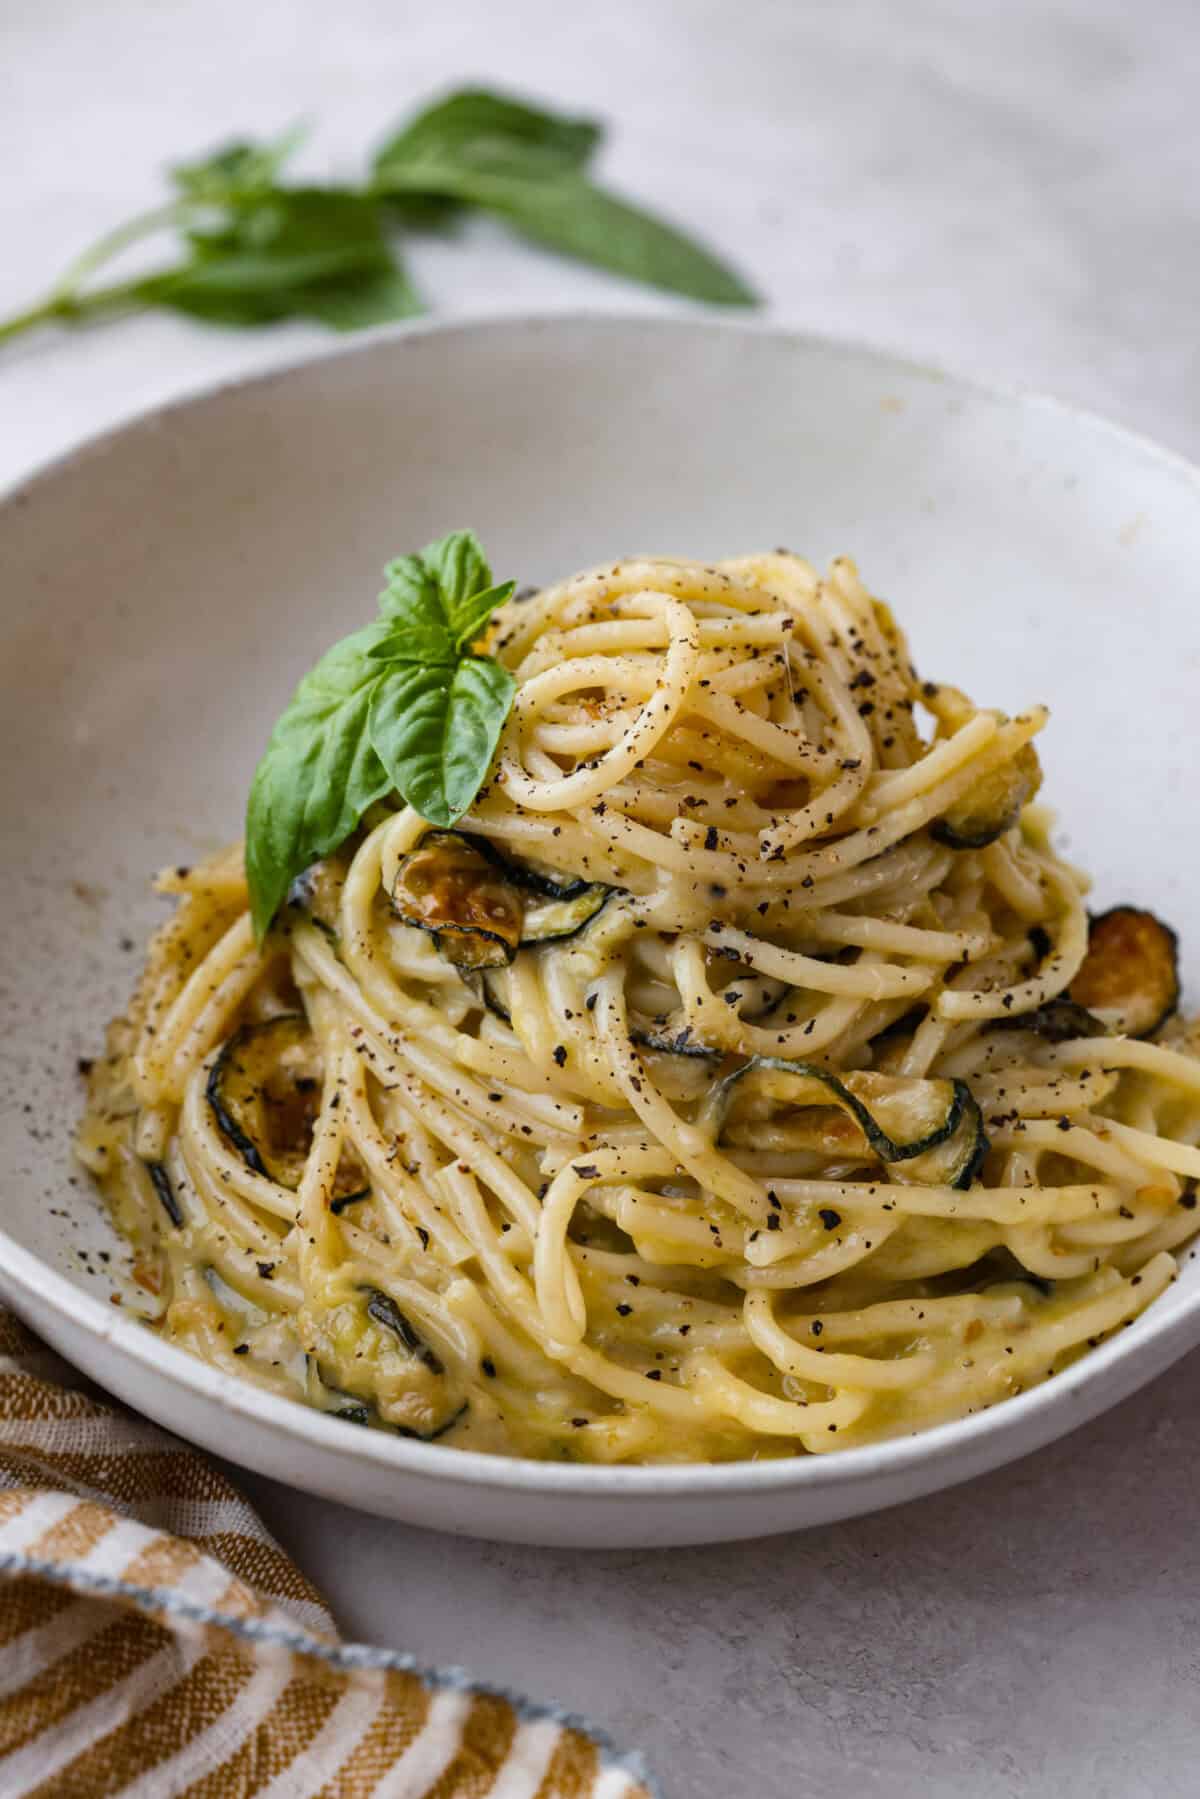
(252, 248)
(403, 706)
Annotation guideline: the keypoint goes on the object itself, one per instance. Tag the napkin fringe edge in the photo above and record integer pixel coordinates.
(346, 1658)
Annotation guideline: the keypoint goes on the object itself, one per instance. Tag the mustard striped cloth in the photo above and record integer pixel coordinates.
(155, 1641)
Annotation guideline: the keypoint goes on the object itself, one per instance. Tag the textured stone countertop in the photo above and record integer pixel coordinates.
(1011, 190)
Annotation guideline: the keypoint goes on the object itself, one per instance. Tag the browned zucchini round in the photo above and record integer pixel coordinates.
(992, 805)
(454, 889)
(531, 877)
(1130, 975)
(264, 1090)
(481, 909)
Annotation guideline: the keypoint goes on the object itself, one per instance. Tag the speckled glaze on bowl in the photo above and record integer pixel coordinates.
(164, 586)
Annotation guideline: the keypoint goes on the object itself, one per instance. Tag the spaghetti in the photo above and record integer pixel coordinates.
(740, 1077)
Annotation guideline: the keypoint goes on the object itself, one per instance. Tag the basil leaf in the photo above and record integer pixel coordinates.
(568, 213)
(483, 149)
(418, 629)
(581, 220)
(484, 129)
(438, 600)
(460, 569)
(474, 613)
(435, 731)
(248, 290)
(293, 222)
(237, 168)
(284, 253)
(355, 301)
(318, 776)
(401, 646)
(397, 705)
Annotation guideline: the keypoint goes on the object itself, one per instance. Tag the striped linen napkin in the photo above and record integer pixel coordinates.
(155, 1641)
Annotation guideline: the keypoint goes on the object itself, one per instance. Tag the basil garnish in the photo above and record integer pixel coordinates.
(250, 247)
(403, 705)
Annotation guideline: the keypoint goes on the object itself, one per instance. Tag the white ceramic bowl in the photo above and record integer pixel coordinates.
(163, 587)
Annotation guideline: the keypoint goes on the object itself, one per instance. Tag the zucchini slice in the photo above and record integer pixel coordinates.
(957, 1161)
(902, 1119)
(660, 1037)
(1130, 975)
(384, 1310)
(550, 883)
(545, 881)
(160, 1180)
(264, 1090)
(454, 889)
(556, 920)
(354, 1411)
(431, 1436)
(992, 805)
(1058, 1021)
(474, 903)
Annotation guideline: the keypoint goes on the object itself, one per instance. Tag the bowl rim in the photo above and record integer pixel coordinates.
(1022, 1417)
(476, 321)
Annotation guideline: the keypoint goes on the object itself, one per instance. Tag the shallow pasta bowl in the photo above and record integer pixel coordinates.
(164, 586)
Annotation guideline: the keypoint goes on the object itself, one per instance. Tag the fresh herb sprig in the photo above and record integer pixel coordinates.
(405, 705)
(253, 249)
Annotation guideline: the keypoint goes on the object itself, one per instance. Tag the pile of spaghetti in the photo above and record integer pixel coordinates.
(742, 1076)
